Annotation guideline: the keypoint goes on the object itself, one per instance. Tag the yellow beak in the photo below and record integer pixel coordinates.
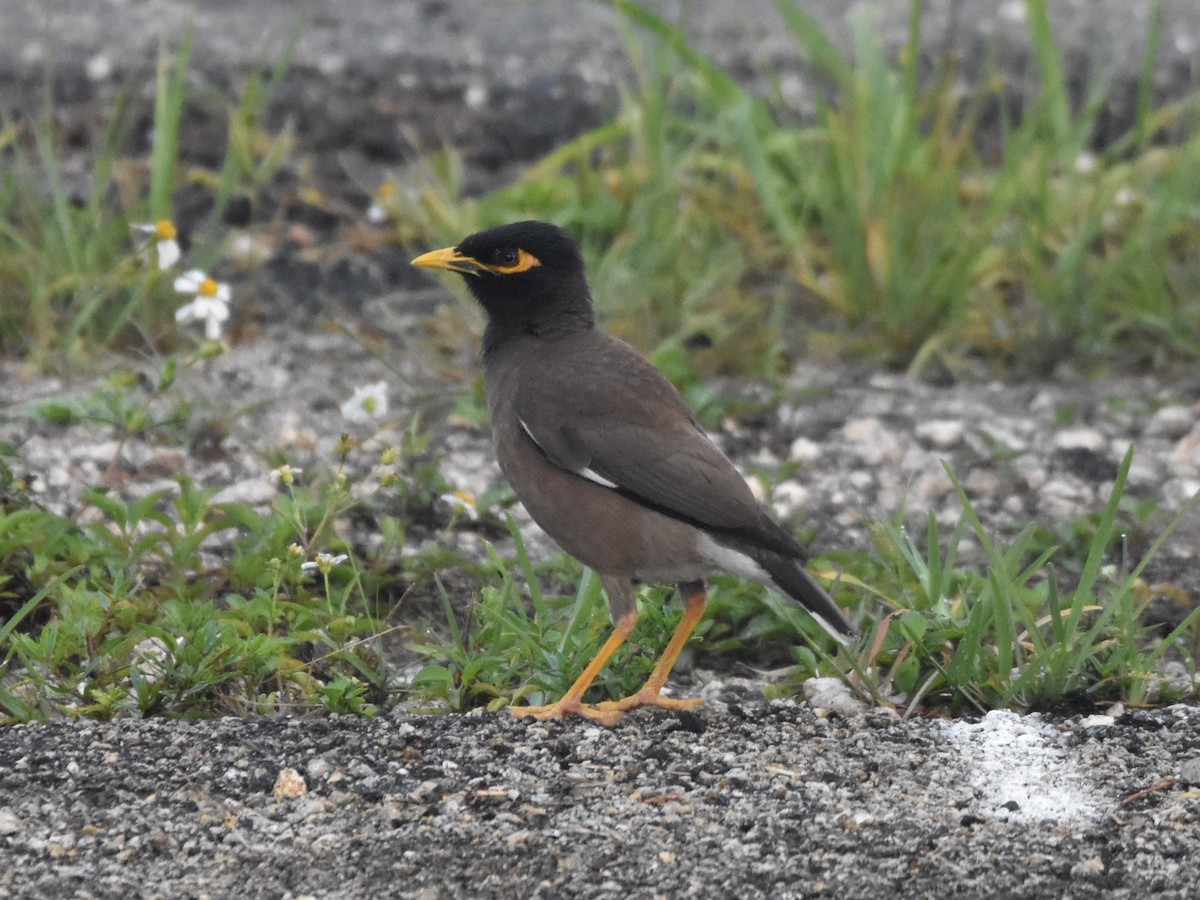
(450, 259)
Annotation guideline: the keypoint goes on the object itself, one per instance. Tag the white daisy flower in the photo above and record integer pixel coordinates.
(211, 305)
(1086, 163)
(166, 245)
(385, 198)
(462, 502)
(284, 474)
(323, 562)
(366, 403)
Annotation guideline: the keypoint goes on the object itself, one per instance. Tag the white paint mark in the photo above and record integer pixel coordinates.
(1020, 761)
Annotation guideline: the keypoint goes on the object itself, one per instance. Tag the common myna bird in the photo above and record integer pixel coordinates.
(607, 457)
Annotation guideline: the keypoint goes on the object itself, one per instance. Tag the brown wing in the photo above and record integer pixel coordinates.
(599, 409)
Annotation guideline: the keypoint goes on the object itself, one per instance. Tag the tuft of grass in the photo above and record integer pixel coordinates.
(74, 278)
(65, 267)
(1017, 634)
(130, 621)
(710, 218)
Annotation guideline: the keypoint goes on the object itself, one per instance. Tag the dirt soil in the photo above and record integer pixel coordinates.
(780, 799)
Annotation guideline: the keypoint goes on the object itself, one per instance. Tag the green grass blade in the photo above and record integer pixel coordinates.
(526, 565)
(1104, 530)
(170, 89)
(1145, 93)
(821, 50)
(1055, 98)
(723, 88)
(29, 605)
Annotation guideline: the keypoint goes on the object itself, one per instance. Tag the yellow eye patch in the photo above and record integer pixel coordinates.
(525, 262)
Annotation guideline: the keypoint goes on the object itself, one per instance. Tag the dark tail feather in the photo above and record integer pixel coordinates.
(789, 577)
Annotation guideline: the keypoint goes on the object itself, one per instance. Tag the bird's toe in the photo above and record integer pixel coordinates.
(648, 698)
(563, 708)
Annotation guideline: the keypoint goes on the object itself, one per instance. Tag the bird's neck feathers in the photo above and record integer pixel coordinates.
(537, 316)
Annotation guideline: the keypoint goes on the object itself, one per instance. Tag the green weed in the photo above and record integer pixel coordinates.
(709, 219)
(117, 609)
(1018, 634)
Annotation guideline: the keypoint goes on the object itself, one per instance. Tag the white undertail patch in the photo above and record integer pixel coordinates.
(740, 564)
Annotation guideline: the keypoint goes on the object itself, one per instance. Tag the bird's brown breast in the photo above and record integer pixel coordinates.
(568, 392)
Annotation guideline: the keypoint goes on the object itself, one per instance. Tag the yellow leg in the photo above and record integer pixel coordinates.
(693, 610)
(572, 700)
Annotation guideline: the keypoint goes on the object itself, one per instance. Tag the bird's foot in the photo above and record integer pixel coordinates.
(566, 707)
(647, 697)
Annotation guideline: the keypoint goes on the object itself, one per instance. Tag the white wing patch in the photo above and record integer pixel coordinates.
(597, 478)
(585, 472)
(525, 428)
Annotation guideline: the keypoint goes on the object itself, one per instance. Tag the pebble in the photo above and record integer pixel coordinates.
(9, 823)
(257, 491)
(873, 441)
(289, 784)
(1060, 495)
(1091, 869)
(984, 482)
(1179, 491)
(1172, 422)
(1185, 455)
(803, 450)
(1189, 772)
(834, 695)
(941, 434)
(1080, 438)
(789, 498)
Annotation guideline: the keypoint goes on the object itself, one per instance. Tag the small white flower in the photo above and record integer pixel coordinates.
(462, 502)
(1085, 163)
(1126, 196)
(323, 562)
(385, 197)
(211, 305)
(164, 239)
(476, 96)
(366, 403)
(1013, 11)
(284, 474)
(250, 249)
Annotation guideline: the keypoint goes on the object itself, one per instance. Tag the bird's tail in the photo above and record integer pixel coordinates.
(789, 577)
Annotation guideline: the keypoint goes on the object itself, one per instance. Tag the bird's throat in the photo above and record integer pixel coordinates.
(537, 321)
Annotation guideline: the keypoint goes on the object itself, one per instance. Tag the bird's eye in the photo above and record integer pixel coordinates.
(506, 256)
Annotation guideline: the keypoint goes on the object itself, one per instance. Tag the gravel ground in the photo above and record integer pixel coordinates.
(748, 798)
(755, 800)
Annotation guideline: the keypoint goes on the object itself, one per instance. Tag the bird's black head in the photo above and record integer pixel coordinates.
(528, 276)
